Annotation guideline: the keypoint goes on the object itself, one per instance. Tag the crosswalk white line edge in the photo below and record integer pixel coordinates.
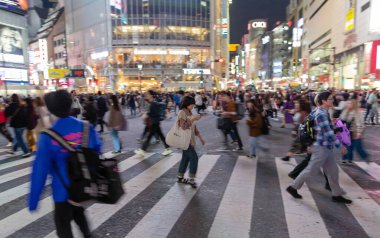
(233, 218)
(372, 169)
(302, 216)
(365, 210)
(15, 163)
(172, 204)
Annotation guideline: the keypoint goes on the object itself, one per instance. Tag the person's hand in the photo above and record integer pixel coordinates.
(202, 141)
(309, 150)
(344, 150)
(195, 117)
(225, 114)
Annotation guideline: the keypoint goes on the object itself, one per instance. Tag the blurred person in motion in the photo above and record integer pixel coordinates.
(255, 124)
(115, 120)
(353, 118)
(90, 111)
(190, 158)
(322, 152)
(31, 125)
(17, 113)
(102, 107)
(3, 124)
(153, 124)
(51, 159)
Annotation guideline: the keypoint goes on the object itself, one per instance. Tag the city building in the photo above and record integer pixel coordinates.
(342, 50)
(137, 45)
(48, 51)
(13, 47)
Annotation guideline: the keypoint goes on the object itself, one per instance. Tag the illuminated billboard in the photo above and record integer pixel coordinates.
(11, 45)
(17, 6)
(374, 24)
(350, 16)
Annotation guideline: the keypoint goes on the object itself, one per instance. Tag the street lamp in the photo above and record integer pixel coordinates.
(140, 66)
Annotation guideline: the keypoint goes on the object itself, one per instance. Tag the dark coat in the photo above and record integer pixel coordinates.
(19, 117)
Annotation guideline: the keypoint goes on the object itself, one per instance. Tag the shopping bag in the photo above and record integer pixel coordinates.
(178, 137)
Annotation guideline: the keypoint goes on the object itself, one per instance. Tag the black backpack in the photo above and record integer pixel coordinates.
(306, 131)
(90, 177)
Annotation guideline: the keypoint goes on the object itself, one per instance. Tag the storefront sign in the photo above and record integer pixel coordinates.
(11, 45)
(259, 24)
(350, 16)
(58, 73)
(297, 35)
(99, 55)
(233, 47)
(179, 52)
(265, 40)
(197, 71)
(77, 73)
(15, 75)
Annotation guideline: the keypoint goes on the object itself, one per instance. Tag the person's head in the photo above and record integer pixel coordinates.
(325, 99)
(39, 102)
(149, 95)
(352, 105)
(100, 93)
(225, 96)
(29, 102)
(15, 98)
(7, 39)
(73, 93)
(188, 103)
(59, 103)
(115, 102)
(304, 105)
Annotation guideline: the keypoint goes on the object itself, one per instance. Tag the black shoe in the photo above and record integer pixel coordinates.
(292, 175)
(286, 158)
(192, 183)
(340, 199)
(293, 192)
(327, 187)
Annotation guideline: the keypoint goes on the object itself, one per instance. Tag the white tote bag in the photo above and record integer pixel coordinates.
(178, 138)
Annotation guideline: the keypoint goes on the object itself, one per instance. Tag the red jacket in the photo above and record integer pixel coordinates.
(2, 117)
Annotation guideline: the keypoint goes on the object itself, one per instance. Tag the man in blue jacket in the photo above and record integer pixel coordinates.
(50, 153)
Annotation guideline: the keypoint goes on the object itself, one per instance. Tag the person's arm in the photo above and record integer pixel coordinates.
(41, 166)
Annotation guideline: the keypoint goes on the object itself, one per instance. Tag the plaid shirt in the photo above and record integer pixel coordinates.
(324, 129)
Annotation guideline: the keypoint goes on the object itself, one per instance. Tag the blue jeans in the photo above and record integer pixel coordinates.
(358, 146)
(253, 144)
(115, 140)
(188, 156)
(19, 140)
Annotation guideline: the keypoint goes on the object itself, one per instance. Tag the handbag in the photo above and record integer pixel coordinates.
(178, 137)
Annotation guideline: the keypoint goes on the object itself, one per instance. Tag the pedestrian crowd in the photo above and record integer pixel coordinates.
(321, 123)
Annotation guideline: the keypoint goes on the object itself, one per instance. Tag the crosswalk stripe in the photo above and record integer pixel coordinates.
(99, 213)
(23, 189)
(24, 217)
(372, 169)
(365, 210)
(302, 215)
(233, 218)
(172, 204)
(15, 175)
(15, 163)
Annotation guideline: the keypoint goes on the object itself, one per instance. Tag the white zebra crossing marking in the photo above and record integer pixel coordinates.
(23, 189)
(22, 218)
(15, 175)
(15, 163)
(365, 210)
(233, 219)
(302, 215)
(99, 213)
(372, 169)
(171, 205)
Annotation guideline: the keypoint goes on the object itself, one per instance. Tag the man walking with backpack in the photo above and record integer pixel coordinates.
(322, 152)
(52, 158)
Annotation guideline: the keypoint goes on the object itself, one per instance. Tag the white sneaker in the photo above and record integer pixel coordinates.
(9, 144)
(167, 152)
(140, 152)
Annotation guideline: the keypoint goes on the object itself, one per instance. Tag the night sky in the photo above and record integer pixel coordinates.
(244, 10)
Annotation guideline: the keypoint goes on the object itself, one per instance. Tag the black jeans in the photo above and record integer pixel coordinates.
(5, 132)
(154, 129)
(234, 134)
(64, 213)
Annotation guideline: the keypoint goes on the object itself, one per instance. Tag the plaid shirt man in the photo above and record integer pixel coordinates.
(324, 129)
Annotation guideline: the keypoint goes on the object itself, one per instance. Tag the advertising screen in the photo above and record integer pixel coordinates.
(17, 6)
(11, 45)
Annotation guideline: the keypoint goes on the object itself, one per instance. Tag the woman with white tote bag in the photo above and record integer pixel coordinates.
(182, 135)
